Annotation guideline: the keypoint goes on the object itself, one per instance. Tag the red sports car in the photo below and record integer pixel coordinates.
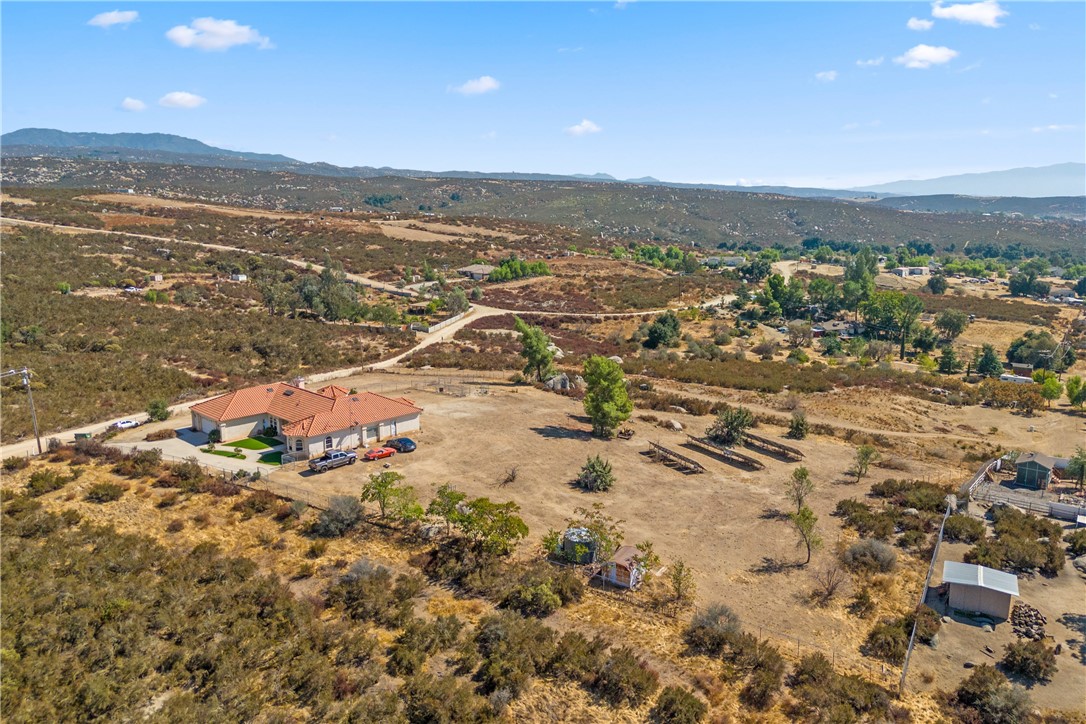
(378, 452)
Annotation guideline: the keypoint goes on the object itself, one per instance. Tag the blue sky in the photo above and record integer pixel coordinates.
(827, 94)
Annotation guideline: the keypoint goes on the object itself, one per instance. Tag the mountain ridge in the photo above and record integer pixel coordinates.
(173, 149)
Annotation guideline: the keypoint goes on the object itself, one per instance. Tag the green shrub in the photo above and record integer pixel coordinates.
(596, 475)
(987, 696)
(369, 593)
(14, 463)
(45, 481)
(538, 600)
(158, 410)
(871, 556)
(576, 657)
(963, 528)
(344, 513)
(888, 640)
(104, 492)
(712, 628)
(514, 649)
(429, 698)
(677, 705)
(798, 428)
(1076, 543)
(139, 463)
(1032, 659)
(928, 623)
(625, 679)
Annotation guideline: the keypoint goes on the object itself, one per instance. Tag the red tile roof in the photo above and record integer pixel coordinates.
(305, 412)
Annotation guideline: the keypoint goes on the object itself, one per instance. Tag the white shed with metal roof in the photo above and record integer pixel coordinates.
(980, 589)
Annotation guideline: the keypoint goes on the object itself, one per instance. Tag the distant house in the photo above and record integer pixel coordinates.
(978, 589)
(711, 261)
(476, 272)
(842, 328)
(1022, 368)
(733, 261)
(623, 569)
(335, 208)
(308, 422)
(910, 271)
(1061, 294)
(239, 278)
(1035, 470)
(155, 277)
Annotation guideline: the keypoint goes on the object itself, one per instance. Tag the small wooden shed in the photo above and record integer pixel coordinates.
(1034, 470)
(623, 569)
(979, 589)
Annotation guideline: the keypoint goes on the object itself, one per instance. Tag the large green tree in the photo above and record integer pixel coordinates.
(605, 402)
(987, 363)
(535, 349)
(951, 322)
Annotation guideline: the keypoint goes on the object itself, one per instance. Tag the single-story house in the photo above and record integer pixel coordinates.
(154, 277)
(476, 272)
(1035, 470)
(308, 422)
(910, 271)
(1022, 368)
(842, 327)
(239, 278)
(623, 569)
(978, 589)
(733, 261)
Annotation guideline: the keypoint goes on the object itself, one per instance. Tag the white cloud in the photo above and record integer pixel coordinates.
(925, 56)
(1053, 127)
(919, 24)
(181, 99)
(478, 86)
(826, 76)
(584, 128)
(870, 63)
(133, 104)
(621, 4)
(212, 34)
(114, 17)
(986, 13)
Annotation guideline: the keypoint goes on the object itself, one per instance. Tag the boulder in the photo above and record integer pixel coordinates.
(673, 425)
(987, 628)
(1080, 563)
(557, 382)
(910, 511)
(677, 409)
(578, 383)
(616, 359)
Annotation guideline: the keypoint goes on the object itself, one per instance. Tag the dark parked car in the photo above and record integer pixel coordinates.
(402, 444)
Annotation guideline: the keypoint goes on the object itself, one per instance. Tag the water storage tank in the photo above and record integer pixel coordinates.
(578, 546)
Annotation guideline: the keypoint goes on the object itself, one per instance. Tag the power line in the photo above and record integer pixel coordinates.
(25, 374)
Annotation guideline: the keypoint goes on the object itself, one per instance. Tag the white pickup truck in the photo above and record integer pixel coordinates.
(332, 459)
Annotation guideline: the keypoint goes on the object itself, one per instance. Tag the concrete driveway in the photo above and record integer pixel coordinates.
(187, 445)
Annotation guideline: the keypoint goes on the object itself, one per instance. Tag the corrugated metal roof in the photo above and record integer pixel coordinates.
(971, 575)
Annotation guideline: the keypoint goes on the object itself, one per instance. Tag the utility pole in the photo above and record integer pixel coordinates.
(25, 374)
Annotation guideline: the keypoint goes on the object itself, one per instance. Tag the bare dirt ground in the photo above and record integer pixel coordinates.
(112, 221)
(16, 200)
(1059, 599)
(722, 522)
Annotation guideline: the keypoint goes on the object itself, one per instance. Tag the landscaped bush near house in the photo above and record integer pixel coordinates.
(104, 492)
(342, 515)
(1034, 660)
(625, 679)
(163, 434)
(871, 556)
(677, 705)
(963, 528)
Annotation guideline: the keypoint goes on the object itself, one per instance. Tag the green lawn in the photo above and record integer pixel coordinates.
(224, 453)
(256, 442)
(272, 458)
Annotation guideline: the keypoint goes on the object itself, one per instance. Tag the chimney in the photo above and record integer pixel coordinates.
(298, 382)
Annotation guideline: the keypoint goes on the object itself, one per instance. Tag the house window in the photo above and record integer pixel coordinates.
(298, 445)
(328, 443)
